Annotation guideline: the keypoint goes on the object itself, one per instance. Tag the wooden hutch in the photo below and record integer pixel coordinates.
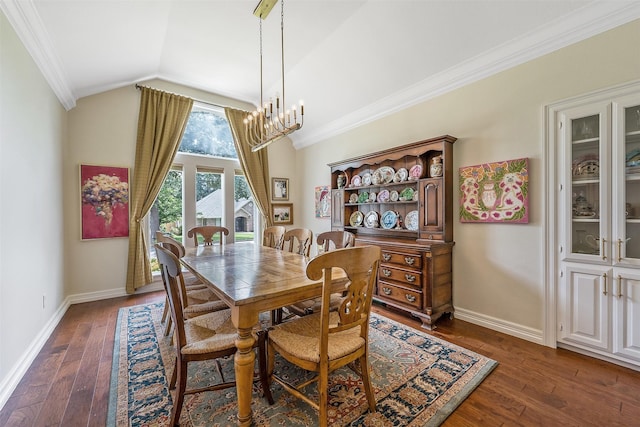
(408, 215)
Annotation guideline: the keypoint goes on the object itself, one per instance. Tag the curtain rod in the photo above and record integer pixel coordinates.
(194, 99)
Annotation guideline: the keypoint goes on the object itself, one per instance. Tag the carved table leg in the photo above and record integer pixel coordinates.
(244, 363)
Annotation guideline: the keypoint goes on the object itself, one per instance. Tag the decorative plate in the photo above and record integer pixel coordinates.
(389, 219)
(401, 175)
(587, 168)
(366, 179)
(376, 178)
(356, 219)
(411, 220)
(394, 196)
(371, 219)
(415, 172)
(383, 196)
(415, 196)
(356, 181)
(407, 194)
(387, 173)
(353, 198)
(364, 197)
(633, 158)
(372, 197)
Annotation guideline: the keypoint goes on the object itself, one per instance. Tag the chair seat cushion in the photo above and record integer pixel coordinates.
(210, 332)
(299, 337)
(198, 309)
(202, 295)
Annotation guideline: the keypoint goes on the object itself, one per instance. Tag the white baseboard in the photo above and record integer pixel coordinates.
(513, 329)
(11, 381)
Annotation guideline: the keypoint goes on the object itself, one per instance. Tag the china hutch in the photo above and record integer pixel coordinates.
(597, 142)
(400, 199)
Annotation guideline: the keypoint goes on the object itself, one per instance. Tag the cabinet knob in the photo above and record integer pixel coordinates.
(386, 291)
(410, 298)
(386, 272)
(410, 278)
(386, 257)
(409, 260)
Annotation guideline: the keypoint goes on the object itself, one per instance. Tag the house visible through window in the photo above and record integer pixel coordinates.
(205, 185)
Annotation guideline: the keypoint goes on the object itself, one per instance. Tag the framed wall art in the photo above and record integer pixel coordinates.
(280, 189)
(104, 195)
(282, 213)
(495, 192)
(323, 202)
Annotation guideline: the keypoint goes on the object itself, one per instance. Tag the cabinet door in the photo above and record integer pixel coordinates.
(626, 181)
(432, 209)
(337, 208)
(586, 201)
(626, 318)
(584, 301)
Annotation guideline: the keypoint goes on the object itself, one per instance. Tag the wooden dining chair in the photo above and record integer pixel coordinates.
(208, 337)
(327, 340)
(272, 236)
(298, 240)
(207, 232)
(329, 240)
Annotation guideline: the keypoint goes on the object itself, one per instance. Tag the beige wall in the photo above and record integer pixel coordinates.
(32, 140)
(498, 268)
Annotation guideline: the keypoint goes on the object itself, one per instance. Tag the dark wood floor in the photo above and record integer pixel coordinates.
(68, 383)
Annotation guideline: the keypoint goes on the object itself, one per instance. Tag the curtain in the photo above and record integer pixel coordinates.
(255, 166)
(161, 123)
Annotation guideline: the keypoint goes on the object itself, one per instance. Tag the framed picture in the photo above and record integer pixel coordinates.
(495, 192)
(282, 213)
(104, 195)
(323, 202)
(280, 189)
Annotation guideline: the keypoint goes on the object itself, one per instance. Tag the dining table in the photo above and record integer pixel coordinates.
(252, 279)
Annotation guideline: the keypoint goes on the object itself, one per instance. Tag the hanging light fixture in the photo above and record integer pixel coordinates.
(271, 122)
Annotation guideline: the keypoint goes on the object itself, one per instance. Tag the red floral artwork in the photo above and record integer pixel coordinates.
(105, 201)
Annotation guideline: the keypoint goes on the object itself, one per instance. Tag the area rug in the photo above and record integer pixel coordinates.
(418, 380)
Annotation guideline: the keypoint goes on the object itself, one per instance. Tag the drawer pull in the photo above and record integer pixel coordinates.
(410, 278)
(409, 260)
(386, 257)
(386, 272)
(386, 291)
(410, 298)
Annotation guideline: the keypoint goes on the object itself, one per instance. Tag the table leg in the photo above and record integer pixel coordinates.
(244, 364)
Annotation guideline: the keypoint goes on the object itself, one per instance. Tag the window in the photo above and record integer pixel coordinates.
(205, 185)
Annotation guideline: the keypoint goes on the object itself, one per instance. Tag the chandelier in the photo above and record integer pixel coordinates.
(271, 122)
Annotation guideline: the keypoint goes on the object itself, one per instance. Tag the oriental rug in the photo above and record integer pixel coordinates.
(418, 380)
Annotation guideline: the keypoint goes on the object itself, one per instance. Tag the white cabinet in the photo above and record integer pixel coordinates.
(597, 142)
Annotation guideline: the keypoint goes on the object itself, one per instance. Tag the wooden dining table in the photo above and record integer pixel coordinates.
(252, 279)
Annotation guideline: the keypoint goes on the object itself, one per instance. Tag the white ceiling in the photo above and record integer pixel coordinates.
(350, 60)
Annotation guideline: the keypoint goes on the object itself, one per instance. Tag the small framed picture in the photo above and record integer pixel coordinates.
(280, 189)
(282, 213)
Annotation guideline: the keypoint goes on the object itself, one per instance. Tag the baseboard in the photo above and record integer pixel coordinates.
(513, 329)
(11, 381)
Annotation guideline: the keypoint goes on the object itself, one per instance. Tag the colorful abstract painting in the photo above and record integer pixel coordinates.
(104, 192)
(495, 192)
(323, 202)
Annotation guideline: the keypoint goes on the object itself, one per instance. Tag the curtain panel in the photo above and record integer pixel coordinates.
(162, 121)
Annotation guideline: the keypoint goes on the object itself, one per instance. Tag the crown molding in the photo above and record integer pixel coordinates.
(24, 18)
(586, 22)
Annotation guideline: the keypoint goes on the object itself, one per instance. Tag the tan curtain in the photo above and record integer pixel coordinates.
(161, 123)
(255, 166)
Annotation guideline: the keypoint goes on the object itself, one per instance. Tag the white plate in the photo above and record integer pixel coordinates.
(356, 181)
(371, 219)
(401, 175)
(411, 221)
(366, 179)
(387, 173)
(389, 220)
(383, 196)
(372, 197)
(356, 219)
(393, 196)
(353, 198)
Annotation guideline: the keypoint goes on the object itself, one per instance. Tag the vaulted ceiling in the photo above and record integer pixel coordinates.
(350, 60)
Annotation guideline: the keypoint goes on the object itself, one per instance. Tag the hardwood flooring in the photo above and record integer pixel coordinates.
(68, 383)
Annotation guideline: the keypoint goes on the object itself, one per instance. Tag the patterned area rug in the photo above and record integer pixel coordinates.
(418, 381)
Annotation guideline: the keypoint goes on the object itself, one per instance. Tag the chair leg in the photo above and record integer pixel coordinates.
(262, 366)
(179, 399)
(165, 313)
(366, 381)
(172, 383)
(167, 327)
(323, 392)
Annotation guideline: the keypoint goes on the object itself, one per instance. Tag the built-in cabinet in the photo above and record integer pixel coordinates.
(400, 199)
(598, 161)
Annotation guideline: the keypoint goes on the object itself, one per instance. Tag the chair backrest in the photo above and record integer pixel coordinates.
(298, 241)
(361, 267)
(272, 236)
(207, 232)
(330, 240)
(171, 274)
(162, 238)
(173, 246)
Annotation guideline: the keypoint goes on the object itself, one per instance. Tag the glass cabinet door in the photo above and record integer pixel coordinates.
(627, 238)
(588, 156)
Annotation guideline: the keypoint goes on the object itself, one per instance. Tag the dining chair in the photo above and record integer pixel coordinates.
(208, 337)
(298, 240)
(327, 340)
(329, 240)
(207, 232)
(272, 236)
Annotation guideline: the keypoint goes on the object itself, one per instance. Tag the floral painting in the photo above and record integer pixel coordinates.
(323, 202)
(495, 192)
(105, 201)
